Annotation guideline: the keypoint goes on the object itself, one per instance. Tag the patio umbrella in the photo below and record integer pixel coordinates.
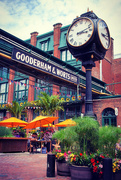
(67, 122)
(13, 122)
(48, 125)
(39, 121)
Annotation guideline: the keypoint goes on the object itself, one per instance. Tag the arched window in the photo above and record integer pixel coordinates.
(109, 117)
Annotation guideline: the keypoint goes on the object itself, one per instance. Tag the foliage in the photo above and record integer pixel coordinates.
(108, 137)
(5, 132)
(81, 137)
(79, 159)
(96, 163)
(116, 165)
(48, 104)
(16, 109)
(61, 156)
(87, 130)
(66, 137)
(59, 135)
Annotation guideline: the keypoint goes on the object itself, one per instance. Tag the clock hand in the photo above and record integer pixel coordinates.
(82, 32)
(105, 36)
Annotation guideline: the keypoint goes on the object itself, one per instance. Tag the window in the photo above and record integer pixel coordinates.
(21, 91)
(63, 55)
(42, 86)
(3, 92)
(66, 55)
(4, 72)
(44, 46)
(109, 117)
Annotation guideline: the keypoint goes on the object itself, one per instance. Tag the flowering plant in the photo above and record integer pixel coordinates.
(61, 156)
(96, 163)
(116, 165)
(79, 159)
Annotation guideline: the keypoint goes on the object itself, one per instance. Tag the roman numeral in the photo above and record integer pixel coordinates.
(71, 35)
(71, 40)
(75, 43)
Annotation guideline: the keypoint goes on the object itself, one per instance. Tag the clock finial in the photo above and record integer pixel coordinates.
(88, 9)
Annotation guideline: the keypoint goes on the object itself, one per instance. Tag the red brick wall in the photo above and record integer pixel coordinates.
(11, 86)
(56, 38)
(34, 38)
(96, 70)
(116, 67)
(10, 90)
(100, 104)
(31, 80)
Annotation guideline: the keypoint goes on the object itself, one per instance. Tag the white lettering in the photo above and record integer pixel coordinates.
(27, 59)
(31, 60)
(18, 55)
(53, 70)
(22, 57)
(73, 78)
(35, 62)
(63, 74)
(38, 63)
(49, 68)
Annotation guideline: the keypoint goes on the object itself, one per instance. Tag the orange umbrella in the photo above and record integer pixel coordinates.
(39, 121)
(13, 122)
(48, 125)
(67, 122)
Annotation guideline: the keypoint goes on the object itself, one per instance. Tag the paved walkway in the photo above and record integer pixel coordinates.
(25, 166)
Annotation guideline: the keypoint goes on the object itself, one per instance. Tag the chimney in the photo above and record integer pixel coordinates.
(56, 39)
(34, 38)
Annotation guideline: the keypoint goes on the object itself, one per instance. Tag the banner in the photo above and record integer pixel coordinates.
(32, 61)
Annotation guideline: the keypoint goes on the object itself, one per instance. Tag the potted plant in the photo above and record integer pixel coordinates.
(83, 137)
(61, 161)
(108, 138)
(79, 166)
(116, 169)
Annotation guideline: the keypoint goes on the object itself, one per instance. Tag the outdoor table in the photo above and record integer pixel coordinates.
(39, 142)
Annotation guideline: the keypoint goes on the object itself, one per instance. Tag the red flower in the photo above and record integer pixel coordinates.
(93, 163)
(97, 161)
(81, 154)
(74, 158)
(92, 160)
(95, 169)
(102, 156)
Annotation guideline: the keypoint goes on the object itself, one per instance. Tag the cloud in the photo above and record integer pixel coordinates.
(21, 17)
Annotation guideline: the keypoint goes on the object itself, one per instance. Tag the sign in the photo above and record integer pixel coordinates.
(116, 111)
(32, 61)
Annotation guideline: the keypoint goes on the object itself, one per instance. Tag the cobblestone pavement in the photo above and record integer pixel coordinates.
(25, 166)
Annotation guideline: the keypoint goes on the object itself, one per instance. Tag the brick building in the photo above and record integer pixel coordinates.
(52, 48)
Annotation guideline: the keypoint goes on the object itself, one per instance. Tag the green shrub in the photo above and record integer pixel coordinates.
(83, 136)
(5, 132)
(108, 137)
(87, 130)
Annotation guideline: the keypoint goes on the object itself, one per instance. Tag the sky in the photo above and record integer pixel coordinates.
(22, 17)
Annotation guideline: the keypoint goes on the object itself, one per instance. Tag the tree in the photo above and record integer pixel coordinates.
(16, 109)
(48, 104)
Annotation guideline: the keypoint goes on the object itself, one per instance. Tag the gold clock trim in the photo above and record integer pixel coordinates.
(74, 24)
(99, 35)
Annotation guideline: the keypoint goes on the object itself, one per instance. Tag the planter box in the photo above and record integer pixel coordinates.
(63, 168)
(13, 144)
(80, 173)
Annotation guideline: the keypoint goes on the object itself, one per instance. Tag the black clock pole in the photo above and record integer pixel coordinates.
(88, 102)
(88, 39)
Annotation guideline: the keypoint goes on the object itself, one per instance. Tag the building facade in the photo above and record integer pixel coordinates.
(106, 78)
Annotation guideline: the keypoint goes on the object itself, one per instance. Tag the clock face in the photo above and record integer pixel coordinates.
(80, 32)
(104, 35)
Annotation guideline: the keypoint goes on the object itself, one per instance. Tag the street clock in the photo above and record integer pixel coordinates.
(88, 37)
